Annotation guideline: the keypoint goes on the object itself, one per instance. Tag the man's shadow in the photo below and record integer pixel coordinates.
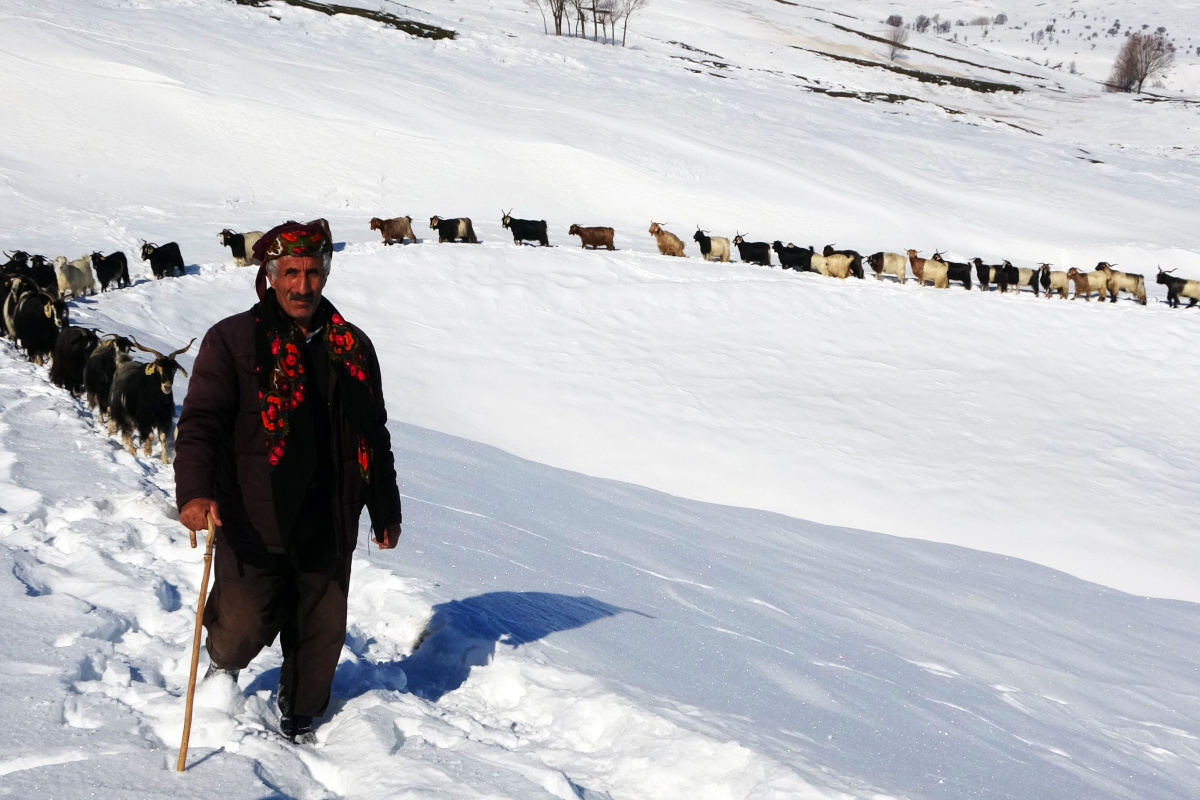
(460, 634)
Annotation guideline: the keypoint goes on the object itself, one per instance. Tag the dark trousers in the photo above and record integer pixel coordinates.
(253, 601)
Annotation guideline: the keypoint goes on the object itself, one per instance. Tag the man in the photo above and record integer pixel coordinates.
(282, 441)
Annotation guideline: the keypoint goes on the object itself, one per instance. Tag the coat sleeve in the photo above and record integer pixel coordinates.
(207, 420)
(387, 508)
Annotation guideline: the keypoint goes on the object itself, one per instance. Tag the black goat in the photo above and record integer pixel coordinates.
(38, 319)
(15, 286)
(792, 257)
(753, 252)
(99, 370)
(525, 230)
(42, 272)
(165, 261)
(1179, 287)
(141, 399)
(958, 271)
(71, 353)
(856, 259)
(112, 268)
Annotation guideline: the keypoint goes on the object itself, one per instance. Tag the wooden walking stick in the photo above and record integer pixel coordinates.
(191, 690)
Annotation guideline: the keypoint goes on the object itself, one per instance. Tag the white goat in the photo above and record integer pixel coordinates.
(75, 277)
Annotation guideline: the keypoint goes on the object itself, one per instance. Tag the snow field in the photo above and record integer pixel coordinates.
(589, 638)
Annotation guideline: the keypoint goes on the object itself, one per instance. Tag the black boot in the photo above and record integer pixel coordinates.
(213, 669)
(296, 727)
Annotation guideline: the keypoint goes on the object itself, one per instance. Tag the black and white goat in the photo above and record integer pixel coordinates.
(712, 248)
(450, 230)
(1179, 287)
(241, 245)
(142, 400)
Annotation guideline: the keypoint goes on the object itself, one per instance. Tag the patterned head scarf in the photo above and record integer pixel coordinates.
(290, 239)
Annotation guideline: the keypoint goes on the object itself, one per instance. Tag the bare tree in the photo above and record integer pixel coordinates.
(577, 8)
(1143, 56)
(622, 10)
(895, 39)
(557, 9)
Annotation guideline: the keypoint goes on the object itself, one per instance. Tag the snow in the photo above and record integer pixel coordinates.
(672, 529)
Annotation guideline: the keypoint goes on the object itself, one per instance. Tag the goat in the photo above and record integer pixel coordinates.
(241, 245)
(1017, 276)
(36, 324)
(712, 247)
(165, 261)
(792, 257)
(832, 266)
(856, 259)
(112, 268)
(98, 372)
(450, 230)
(929, 269)
(1123, 282)
(141, 399)
(75, 277)
(396, 229)
(594, 238)
(44, 275)
(668, 243)
(16, 288)
(525, 230)
(889, 264)
(1178, 287)
(753, 252)
(71, 352)
(1053, 281)
(956, 271)
(1088, 282)
(989, 274)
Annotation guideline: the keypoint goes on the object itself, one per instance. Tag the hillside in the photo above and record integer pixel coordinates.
(676, 529)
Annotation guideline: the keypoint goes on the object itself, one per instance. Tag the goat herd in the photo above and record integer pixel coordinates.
(831, 262)
(132, 396)
(136, 396)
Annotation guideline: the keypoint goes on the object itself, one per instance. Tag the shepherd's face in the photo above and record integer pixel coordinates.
(298, 282)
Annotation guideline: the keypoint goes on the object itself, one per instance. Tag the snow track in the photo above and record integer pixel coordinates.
(108, 576)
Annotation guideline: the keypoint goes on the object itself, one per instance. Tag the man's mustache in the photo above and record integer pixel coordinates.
(301, 296)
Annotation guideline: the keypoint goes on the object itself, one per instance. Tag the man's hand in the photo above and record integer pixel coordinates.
(194, 514)
(391, 535)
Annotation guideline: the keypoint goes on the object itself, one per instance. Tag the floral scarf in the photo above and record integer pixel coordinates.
(283, 387)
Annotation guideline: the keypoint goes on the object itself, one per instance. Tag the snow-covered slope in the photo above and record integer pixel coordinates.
(593, 637)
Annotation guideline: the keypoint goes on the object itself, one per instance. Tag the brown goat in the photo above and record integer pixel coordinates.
(394, 230)
(932, 269)
(594, 238)
(1088, 282)
(668, 243)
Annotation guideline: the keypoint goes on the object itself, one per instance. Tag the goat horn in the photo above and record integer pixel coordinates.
(183, 349)
(141, 346)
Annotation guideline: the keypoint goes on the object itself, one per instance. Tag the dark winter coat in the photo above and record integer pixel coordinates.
(221, 448)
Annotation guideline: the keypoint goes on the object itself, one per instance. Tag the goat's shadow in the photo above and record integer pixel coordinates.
(462, 634)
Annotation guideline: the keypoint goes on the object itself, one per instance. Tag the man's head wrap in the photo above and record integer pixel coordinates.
(290, 239)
